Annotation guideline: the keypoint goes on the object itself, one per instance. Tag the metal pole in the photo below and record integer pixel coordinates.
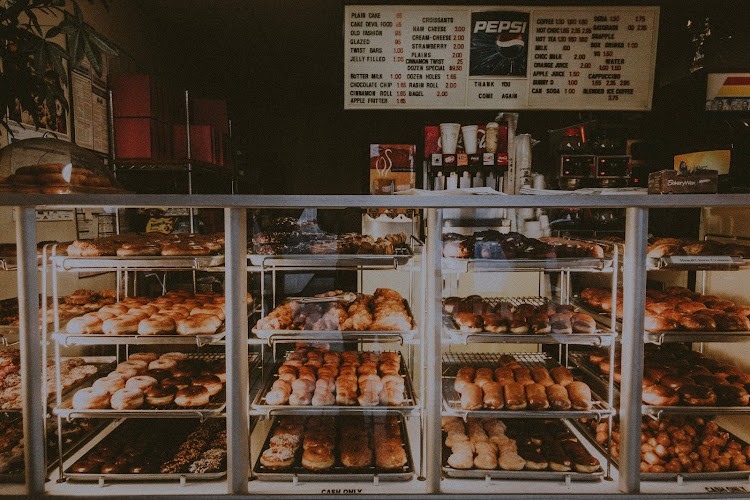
(31, 352)
(238, 460)
(634, 285)
(431, 341)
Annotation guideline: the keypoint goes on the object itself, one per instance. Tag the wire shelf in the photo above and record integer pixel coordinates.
(452, 401)
(602, 337)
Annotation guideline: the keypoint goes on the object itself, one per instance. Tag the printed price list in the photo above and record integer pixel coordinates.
(594, 59)
(402, 58)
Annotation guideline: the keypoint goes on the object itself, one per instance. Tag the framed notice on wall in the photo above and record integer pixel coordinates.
(505, 58)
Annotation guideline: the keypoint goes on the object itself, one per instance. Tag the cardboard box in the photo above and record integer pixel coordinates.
(202, 143)
(392, 168)
(670, 181)
(138, 96)
(142, 138)
(211, 112)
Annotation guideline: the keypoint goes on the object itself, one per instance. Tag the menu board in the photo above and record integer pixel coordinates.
(509, 58)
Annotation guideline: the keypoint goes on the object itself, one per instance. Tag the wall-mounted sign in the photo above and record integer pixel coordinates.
(458, 57)
(728, 92)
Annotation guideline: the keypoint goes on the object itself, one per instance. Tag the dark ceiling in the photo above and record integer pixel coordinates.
(280, 64)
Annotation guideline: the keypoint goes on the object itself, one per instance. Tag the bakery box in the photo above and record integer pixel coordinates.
(671, 181)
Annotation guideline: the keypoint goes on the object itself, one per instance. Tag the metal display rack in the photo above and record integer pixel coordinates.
(637, 208)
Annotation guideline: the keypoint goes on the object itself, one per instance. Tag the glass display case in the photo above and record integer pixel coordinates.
(479, 362)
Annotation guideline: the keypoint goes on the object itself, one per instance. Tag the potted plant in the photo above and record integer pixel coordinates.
(33, 71)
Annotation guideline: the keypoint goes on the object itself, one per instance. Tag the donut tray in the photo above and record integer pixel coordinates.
(337, 473)
(52, 455)
(215, 406)
(102, 478)
(145, 263)
(602, 337)
(659, 338)
(585, 264)
(671, 476)
(401, 256)
(452, 401)
(581, 360)
(290, 336)
(261, 407)
(543, 475)
(696, 263)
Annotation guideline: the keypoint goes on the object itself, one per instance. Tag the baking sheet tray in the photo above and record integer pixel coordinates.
(187, 476)
(259, 405)
(452, 401)
(546, 475)
(602, 337)
(581, 360)
(67, 263)
(216, 405)
(659, 338)
(401, 256)
(670, 476)
(338, 335)
(337, 473)
(696, 263)
(454, 265)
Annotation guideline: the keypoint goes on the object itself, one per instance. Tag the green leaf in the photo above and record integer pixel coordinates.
(33, 20)
(94, 56)
(101, 42)
(53, 32)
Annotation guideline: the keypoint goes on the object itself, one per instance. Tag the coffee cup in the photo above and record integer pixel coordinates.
(470, 138)
(449, 137)
(491, 134)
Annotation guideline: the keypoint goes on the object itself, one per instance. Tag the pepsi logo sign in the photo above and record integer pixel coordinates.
(500, 27)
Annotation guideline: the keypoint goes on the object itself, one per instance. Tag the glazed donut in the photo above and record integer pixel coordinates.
(300, 398)
(128, 371)
(277, 397)
(160, 395)
(217, 369)
(158, 374)
(131, 250)
(122, 325)
(162, 302)
(198, 324)
(191, 304)
(323, 398)
(127, 399)
(210, 382)
(149, 309)
(148, 357)
(136, 301)
(101, 315)
(182, 249)
(162, 364)
(209, 309)
(317, 458)
(174, 355)
(116, 309)
(141, 382)
(109, 384)
(192, 396)
(85, 466)
(277, 458)
(179, 382)
(138, 313)
(184, 370)
(303, 385)
(138, 364)
(156, 325)
(84, 325)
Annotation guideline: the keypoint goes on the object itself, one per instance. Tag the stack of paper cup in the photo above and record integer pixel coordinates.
(449, 137)
(470, 138)
(523, 161)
